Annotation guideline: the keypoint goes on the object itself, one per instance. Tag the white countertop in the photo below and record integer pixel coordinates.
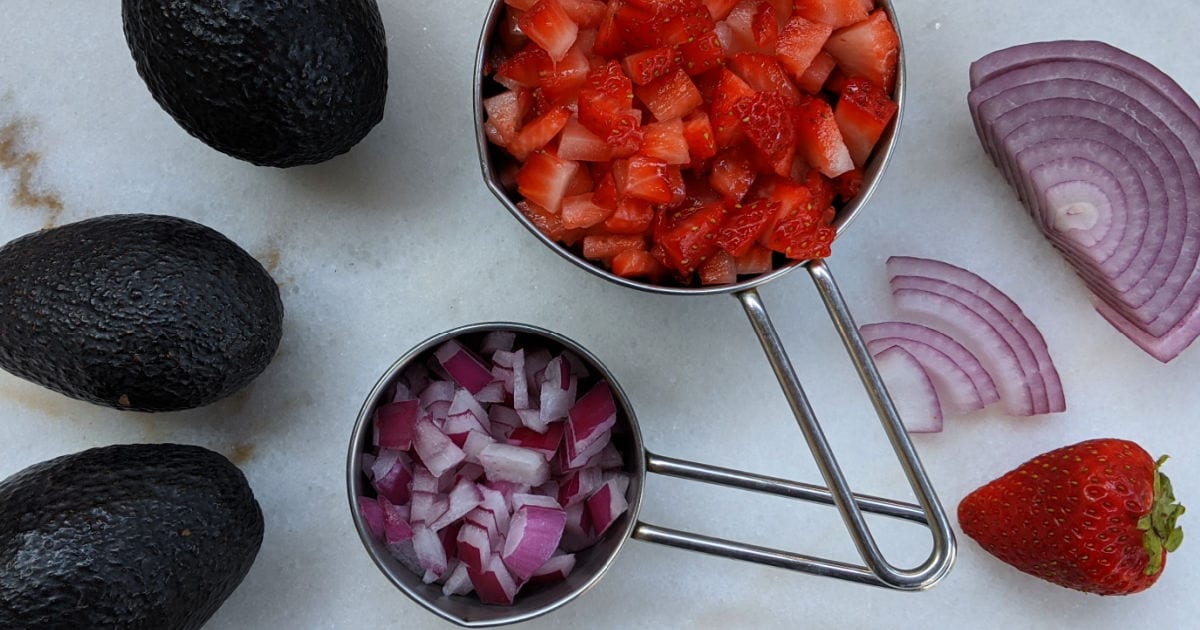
(399, 240)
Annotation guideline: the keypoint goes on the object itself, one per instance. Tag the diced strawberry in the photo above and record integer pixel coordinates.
(836, 81)
(549, 26)
(764, 74)
(719, 9)
(539, 132)
(578, 143)
(637, 263)
(701, 54)
(732, 173)
(609, 81)
(848, 184)
(764, 25)
(579, 212)
(632, 216)
(820, 140)
(544, 179)
(746, 225)
(524, 69)
(510, 36)
(672, 96)
(756, 261)
(868, 49)
(547, 222)
(679, 192)
(586, 13)
(649, 65)
(822, 189)
(506, 111)
(608, 37)
(605, 246)
(620, 128)
(720, 268)
(791, 198)
(637, 26)
(665, 141)
(580, 183)
(836, 13)
(644, 178)
(740, 27)
(783, 10)
(768, 122)
(562, 81)
(801, 238)
(799, 44)
(863, 112)
(817, 74)
(689, 243)
(493, 135)
(521, 5)
(725, 120)
(698, 132)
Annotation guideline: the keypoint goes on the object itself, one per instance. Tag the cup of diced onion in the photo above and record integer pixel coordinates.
(494, 472)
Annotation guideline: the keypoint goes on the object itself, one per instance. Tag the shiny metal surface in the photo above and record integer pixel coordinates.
(496, 168)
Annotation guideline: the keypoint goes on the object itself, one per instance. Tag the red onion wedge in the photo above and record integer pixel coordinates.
(1104, 150)
(911, 390)
(533, 536)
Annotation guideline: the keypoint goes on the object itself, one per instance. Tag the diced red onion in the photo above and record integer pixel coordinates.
(605, 506)
(395, 528)
(474, 445)
(573, 458)
(506, 462)
(494, 502)
(469, 471)
(395, 424)
(394, 484)
(558, 390)
(497, 340)
(533, 535)
(491, 393)
(465, 403)
(521, 499)
(437, 392)
(579, 485)
(507, 489)
(911, 390)
(463, 366)
(463, 498)
(458, 582)
(556, 569)
(416, 377)
(372, 514)
(532, 419)
(514, 378)
(494, 585)
(430, 552)
(504, 420)
(486, 520)
(436, 451)
(578, 534)
(536, 361)
(427, 507)
(914, 337)
(400, 392)
(368, 465)
(546, 443)
(474, 546)
(424, 480)
(590, 418)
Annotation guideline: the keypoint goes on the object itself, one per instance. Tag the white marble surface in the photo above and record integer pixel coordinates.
(399, 240)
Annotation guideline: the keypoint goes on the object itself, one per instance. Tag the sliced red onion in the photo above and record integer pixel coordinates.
(497, 340)
(395, 424)
(458, 582)
(436, 451)
(424, 480)
(571, 458)
(463, 366)
(427, 507)
(372, 514)
(579, 485)
(942, 343)
(558, 390)
(1025, 329)
(505, 462)
(462, 499)
(532, 419)
(494, 585)
(556, 569)
(474, 545)
(484, 519)
(430, 552)
(533, 535)
(911, 390)
(605, 506)
(546, 443)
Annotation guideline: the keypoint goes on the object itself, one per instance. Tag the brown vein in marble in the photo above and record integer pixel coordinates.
(24, 163)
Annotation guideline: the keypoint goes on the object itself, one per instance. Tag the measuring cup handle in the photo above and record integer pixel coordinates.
(877, 570)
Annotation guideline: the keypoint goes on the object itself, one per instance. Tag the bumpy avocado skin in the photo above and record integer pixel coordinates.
(138, 312)
(273, 82)
(147, 536)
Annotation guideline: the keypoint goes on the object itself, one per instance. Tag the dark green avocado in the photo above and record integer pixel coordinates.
(139, 312)
(146, 536)
(278, 83)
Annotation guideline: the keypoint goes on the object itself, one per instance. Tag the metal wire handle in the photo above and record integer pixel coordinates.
(877, 570)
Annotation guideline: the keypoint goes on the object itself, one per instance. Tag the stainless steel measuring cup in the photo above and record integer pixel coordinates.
(592, 563)
(876, 568)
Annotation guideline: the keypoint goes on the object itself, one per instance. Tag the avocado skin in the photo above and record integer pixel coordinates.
(146, 536)
(273, 82)
(138, 312)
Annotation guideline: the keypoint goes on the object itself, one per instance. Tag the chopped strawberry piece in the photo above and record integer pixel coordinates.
(836, 81)
(586, 13)
(720, 268)
(608, 80)
(524, 69)
(506, 111)
(549, 26)
(637, 26)
(820, 139)
(719, 9)
(580, 183)
(764, 25)
(836, 13)
(701, 54)
(637, 263)
(644, 178)
(863, 112)
(733, 173)
(539, 132)
(739, 25)
(521, 5)
(547, 222)
(689, 243)
(605, 246)
(756, 261)
(649, 65)
(817, 74)
(799, 44)
(608, 37)
(620, 128)
(764, 74)
(578, 143)
(510, 36)
(561, 81)
(632, 216)
(768, 122)
(791, 198)
(701, 142)
(746, 225)
(868, 49)
(665, 141)
(801, 238)
(725, 120)
(678, 186)
(848, 184)
(580, 212)
(544, 179)
(672, 96)
(606, 190)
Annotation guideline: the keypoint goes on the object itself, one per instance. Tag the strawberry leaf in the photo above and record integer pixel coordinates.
(1161, 532)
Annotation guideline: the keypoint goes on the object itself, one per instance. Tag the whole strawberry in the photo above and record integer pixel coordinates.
(1097, 516)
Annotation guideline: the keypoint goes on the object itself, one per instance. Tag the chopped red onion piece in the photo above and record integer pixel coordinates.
(578, 534)
(462, 499)
(401, 392)
(436, 450)
(474, 545)
(503, 375)
(474, 445)
(465, 403)
(505, 462)
(430, 552)
(395, 424)
(483, 518)
(372, 515)
(521, 499)
(424, 480)
(463, 366)
(495, 585)
(608, 457)
(395, 482)
(573, 458)
(558, 390)
(579, 485)
(533, 536)
(458, 582)
(457, 427)
(494, 502)
(546, 443)
(492, 393)
(368, 465)
(532, 419)
(497, 340)
(437, 392)
(507, 489)
(911, 390)
(556, 569)
(536, 361)
(427, 507)
(605, 506)
(514, 378)
(548, 489)
(395, 528)
(416, 377)
(449, 537)
(383, 463)
(469, 471)
(591, 417)
(504, 420)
